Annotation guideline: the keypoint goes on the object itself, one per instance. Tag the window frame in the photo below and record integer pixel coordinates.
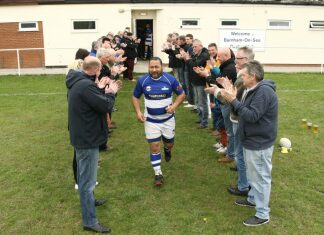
(279, 27)
(34, 29)
(229, 26)
(95, 30)
(189, 26)
(310, 27)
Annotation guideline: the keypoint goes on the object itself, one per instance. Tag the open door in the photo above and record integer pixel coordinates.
(144, 31)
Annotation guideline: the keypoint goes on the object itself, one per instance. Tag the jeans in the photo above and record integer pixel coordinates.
(189, 94)
(87, 163)
(202, 106)
(214, 117)
(242, 182)
(258, 168)
(226, 110)
(218, 121)
(181, 77)
(175, 73)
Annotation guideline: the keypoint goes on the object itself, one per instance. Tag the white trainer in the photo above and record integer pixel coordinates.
(218, 145)
(222, 150)
(76, 187)
(188, 106)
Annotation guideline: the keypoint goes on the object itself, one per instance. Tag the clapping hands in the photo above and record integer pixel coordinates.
(229, 92)
(114, 86)
(201, 71)
(185, 55)
(104, 81)
(117, 69)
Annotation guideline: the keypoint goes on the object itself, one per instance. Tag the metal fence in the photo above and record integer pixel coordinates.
(19, 58)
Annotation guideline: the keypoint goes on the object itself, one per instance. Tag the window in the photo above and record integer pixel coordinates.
(279, 24)
(28, 26)
(189, 23)
(84, 25)
(229, 23)
(316, 24)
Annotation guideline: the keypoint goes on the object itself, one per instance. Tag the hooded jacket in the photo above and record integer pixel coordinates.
(87, 110)
(258, 116)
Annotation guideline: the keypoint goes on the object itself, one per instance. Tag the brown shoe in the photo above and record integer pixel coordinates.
(215, 133)
(225, 159)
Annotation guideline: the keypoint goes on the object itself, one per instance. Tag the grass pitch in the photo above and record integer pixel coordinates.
(37, 193)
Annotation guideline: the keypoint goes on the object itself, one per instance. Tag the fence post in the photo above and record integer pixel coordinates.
(18, 61)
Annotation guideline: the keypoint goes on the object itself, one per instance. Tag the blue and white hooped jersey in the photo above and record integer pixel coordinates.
(149, 35)
(157, 95)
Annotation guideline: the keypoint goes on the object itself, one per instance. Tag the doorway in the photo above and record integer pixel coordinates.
(145, 33)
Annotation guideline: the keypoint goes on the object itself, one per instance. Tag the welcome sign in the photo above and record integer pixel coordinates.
(238, 38)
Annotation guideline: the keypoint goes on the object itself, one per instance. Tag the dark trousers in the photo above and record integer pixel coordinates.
(129, 64)
(189, 88)
(218, 120)
(75, 168)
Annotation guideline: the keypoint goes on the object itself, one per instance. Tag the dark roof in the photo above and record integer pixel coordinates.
(292, 2)
(16, 2)
(279, 2)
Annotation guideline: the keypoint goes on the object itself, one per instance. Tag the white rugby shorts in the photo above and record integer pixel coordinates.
(148, 44)
(154, 131)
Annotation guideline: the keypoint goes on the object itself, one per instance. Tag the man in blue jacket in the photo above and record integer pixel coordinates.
(88, 104)
(258, 121)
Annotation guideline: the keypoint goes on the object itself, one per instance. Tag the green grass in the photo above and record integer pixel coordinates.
(37, 193)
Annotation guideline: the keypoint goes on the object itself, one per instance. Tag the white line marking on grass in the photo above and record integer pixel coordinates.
(64, 93)
(31, 94)
(44, 94)
(303, 90)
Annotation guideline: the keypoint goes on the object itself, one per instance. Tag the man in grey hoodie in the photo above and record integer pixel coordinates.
(258, 121)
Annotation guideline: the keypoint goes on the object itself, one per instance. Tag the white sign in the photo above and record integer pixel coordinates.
(235, 39)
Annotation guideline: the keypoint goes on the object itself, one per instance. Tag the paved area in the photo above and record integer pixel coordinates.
(142, 67)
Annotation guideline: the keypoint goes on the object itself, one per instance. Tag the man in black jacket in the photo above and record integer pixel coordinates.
(199, 59)
(130, 48)
(107, 57)
(87, 108)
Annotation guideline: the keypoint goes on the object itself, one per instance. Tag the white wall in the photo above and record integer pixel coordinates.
(298, 45)
(59, 41)
(282, 46)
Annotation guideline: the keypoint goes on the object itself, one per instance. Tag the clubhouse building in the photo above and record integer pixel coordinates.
(48, 32)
